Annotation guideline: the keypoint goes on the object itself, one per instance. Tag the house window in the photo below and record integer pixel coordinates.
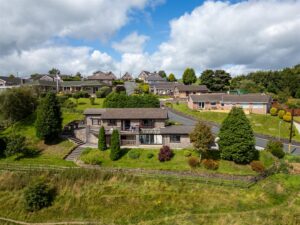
(213, 103)
(96, 122)
(222, 104)
(112, 122)
(201, 105)
(148, 123)
(174, 138)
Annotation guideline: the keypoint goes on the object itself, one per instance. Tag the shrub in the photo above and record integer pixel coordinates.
(38, 195)
(61, 99)
(287, 117)
(273, 111)
(281, 113)
(92, 100)
(187, 153)
(103, 92)
(202, 137)
(81, 94)
(115, 150)
(276, 148)
(193, 162)
(91, 156)
(210, 164)
(15, 144)
(150, 155)
(257, 166)
(165, 154)
(69, 104)
(134, 153)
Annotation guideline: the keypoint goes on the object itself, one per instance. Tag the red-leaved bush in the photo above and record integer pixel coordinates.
(165, 154)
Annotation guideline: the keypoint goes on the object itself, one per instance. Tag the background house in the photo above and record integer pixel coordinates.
(107, 78)
(251, 103)
(127, 77)
(10, 82)
(183, 91)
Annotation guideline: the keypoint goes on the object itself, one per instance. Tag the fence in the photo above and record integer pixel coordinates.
(207, 178)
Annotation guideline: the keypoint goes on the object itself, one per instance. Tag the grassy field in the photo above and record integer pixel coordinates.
(263, 124)
(179, 162)
(123, 199)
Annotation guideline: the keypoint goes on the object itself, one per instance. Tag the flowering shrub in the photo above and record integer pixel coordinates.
(165, 154)
(210, 164)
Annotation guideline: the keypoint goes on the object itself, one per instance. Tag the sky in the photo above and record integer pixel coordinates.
(134, 35)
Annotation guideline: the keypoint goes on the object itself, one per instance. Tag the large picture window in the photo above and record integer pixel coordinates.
(150, 139)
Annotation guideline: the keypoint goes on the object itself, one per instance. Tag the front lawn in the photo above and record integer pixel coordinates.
(179, 162)
(262, 124)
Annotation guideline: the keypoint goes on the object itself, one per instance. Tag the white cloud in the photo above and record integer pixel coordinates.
(29, 23)
(133, 43)
(68, 59)
(249, 35)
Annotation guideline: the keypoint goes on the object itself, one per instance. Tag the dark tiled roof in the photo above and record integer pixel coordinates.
(155, 77)
(165, 85)
(201, 88)
(251, 98)
(12, 80)
(129, 113)
(99, 75)
(41, 83)
(177, 130)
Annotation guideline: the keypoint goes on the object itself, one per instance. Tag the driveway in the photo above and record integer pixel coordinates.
(260, 142)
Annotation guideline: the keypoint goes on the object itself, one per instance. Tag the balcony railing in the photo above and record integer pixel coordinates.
(128, 142)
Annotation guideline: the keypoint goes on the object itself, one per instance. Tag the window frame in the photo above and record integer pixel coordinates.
(175, 136)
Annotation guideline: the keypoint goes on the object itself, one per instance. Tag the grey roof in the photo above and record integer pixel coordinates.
(201, 88)
(167, 85)
(12, 80)
(229, 98)
(177, 130)
(155, 77)
(41, 83)
(127, 76)
(81, 83)
(129, 113)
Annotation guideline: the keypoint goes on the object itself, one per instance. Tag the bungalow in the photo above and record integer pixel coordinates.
(183, 91)
(137, 126)
(89, 86)
(166, 88)
(251, 103)
(154, 78)
(10, 82)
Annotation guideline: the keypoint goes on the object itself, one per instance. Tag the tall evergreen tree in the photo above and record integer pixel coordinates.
(237, 141)
(115, 150)
(189, 76)
(101, 139)
(49, 119)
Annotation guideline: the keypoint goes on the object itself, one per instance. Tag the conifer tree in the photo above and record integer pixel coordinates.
(115, 150)
(101, 139)
(49, 119)
(237, 141)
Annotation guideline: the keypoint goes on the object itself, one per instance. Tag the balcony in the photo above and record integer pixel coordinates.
(128, 142)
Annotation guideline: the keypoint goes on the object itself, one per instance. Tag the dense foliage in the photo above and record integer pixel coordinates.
(202, 137)
(134, 153)
(115, 150)
(217, 80)
(121, 100)
(189, 76)
(49, 118)
(101, 139)
(284, 82)
(165, 154)
(172, 77)
(237, 141)
(2, 146)
(103, 92)
(276, 148)
(15, 143)
(38, 195)
(17, 103)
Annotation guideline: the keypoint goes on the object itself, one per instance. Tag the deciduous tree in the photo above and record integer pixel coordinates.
(189, 76)
(202, 137)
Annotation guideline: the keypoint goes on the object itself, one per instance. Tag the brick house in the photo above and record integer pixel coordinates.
(183, 91)
(251, 103)
(137, 127)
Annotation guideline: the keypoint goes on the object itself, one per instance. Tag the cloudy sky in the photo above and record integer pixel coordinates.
(134, 35)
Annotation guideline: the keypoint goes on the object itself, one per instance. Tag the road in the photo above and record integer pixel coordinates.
(260, 142)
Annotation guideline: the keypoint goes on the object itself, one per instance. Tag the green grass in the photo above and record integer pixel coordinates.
(124, 199)
(84, 103)
(262, 124)
(177, 163)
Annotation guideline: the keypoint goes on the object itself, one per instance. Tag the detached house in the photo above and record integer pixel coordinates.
(107, 78)
(251, 103)
(127, 77)
(10, 82)
(137, 126)
(183, 91)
